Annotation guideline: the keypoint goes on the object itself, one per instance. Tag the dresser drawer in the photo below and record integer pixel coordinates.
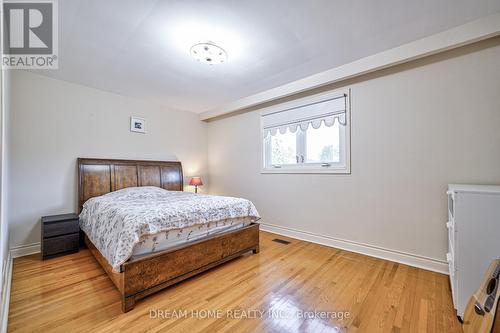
(451, 237)
(60, 228)
(451, 205)
(60, 244)
(453, 277)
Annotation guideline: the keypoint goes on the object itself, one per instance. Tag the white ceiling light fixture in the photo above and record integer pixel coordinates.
(208, 53)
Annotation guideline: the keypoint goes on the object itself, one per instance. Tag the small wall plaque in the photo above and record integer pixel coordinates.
(138, 124)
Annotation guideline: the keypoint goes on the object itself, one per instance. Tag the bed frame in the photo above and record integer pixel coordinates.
(148, 274)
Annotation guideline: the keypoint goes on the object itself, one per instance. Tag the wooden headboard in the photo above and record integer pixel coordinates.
(99, 176)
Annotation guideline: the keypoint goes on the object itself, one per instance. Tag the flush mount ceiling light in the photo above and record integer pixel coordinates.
(208, 53)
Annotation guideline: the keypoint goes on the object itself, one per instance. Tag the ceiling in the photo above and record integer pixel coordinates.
(141, 48)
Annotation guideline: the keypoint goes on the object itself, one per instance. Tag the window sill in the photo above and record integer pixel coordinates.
(306, 171)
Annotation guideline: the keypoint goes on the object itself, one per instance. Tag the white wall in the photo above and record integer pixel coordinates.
(4, 226)
(53, 122)
(4, 105)
(415, 128)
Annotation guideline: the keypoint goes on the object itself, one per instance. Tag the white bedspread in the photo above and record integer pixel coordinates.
(115, 222)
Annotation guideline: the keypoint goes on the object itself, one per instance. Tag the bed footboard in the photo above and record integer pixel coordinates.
(149, 274)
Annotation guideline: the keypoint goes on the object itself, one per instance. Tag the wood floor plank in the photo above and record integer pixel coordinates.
(281, 286)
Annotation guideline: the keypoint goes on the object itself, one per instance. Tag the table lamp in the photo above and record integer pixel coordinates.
(196, 181)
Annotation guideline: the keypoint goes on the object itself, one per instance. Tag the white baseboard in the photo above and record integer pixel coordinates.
(24, 250)
(7, 280)
(414, 260)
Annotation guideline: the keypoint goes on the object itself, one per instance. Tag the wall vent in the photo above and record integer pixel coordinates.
(281, 241)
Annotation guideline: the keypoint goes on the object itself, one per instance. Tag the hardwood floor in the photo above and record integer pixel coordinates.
(73, 294)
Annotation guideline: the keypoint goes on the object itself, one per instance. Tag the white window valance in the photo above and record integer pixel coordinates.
(326, 112)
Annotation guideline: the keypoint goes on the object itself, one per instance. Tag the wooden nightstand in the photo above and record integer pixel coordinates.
(60, 235)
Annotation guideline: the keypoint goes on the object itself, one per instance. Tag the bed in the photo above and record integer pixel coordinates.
(167, 237)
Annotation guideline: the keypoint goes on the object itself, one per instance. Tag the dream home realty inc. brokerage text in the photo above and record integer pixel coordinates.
(246, 314)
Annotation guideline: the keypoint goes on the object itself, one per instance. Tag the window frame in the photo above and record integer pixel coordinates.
(310, 168)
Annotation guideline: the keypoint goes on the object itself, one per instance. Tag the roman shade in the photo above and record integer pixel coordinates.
(314, 114)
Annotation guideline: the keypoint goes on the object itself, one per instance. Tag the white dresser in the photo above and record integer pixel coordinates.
(473, 237)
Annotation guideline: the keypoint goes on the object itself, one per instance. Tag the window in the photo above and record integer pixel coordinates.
(310, 135)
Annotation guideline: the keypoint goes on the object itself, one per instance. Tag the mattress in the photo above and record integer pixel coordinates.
(117, 221)
(171, 238)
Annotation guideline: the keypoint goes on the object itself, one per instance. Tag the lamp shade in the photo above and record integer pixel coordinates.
(196, 181)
